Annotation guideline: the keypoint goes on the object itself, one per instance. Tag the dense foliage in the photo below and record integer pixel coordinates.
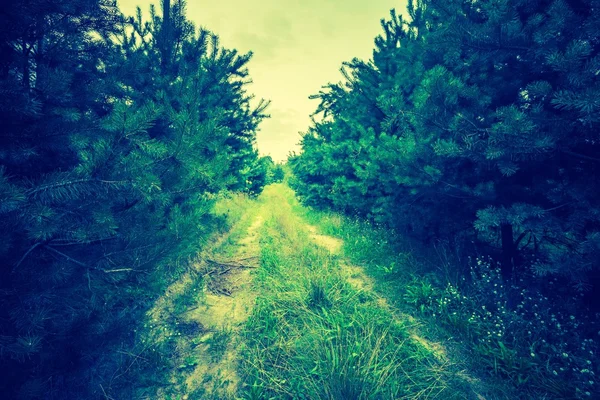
(116, 135)
(475, 122)
(474, 129)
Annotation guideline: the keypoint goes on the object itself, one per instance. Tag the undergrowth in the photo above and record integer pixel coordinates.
(534, 344)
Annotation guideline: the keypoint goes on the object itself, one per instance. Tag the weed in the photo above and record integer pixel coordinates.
(254, 391)
(420, 294)
(217, 344)
(189, 361)
(533, 342)
(317, 295)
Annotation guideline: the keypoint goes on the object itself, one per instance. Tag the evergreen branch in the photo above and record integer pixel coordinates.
(49, 186)
(455, 196)
(130, 205)
(145, 166)
(531, 236)
(67, 242)
(557, 207)
(77, 262)
(582, 156)
(420, 115)
(107, 256)
(110, 271)
(521, 237)
(69, 258)
(106, 396)
(478, 129)
(187, 189)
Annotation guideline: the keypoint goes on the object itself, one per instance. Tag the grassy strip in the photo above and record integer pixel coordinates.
(313, 336)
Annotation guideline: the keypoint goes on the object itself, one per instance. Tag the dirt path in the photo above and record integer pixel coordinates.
(204, 311)
(354, 275)
(226, 307)
(199, 320)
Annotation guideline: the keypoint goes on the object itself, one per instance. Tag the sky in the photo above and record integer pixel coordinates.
(298, 46)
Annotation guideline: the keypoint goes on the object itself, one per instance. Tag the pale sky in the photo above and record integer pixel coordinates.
(298, 45)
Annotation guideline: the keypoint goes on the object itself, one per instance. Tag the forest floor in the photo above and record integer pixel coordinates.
(276, 309)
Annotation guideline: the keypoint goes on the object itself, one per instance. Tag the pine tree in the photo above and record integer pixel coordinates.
(113, 150)
(474, 121)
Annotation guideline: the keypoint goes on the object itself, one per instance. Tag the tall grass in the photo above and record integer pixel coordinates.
(314, 336)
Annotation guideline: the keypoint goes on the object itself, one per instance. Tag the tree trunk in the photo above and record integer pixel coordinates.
(508, 251)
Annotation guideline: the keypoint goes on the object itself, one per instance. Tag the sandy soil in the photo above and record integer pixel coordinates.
(226, 309)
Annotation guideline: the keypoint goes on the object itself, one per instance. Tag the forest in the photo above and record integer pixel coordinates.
(437, 235)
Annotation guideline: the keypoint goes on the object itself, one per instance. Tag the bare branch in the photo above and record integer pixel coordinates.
(26, 254)
(69, 258)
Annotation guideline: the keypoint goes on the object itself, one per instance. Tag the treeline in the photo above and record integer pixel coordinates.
(476, 124)
(117, 133)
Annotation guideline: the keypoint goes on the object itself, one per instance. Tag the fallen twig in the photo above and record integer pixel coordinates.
(230, 264)
(248, 258)
(212, 271)
(223, 291)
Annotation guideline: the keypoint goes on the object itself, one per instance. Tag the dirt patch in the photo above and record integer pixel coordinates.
(332, 244)
(434, 348)
(357, 278)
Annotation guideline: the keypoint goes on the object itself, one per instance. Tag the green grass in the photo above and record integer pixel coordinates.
(312, 335)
